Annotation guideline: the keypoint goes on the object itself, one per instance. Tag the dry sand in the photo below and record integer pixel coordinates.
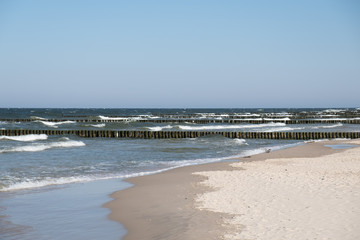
(289, 198)
(306, 192)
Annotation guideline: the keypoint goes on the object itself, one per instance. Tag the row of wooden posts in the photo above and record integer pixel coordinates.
(200, 121)
(183, 134)
(195, 116)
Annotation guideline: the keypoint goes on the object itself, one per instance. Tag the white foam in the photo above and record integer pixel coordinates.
(248, 119)
(29, 184)
(316, 140)
(41, 147)
(327, 115)
(240, 141)
(5, 122)
(337, 119)
(25, 138)
(332, 126)
(54, 124)
(240, 126)
(280, 129)
(125, 119)
(325, 140)
(302, 128)
(207, 127)
(149, 116)
(159, 128)
(285, 114)
(248, 115)
(206, 114)
(111, 118)
(334, 110)
(100, 125)
(277, 119)
(37, 118)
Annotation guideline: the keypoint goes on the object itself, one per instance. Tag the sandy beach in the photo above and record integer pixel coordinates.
(305, 192)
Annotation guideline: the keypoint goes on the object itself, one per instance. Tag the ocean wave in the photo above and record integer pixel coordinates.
(28, 184)
(25, 138)
(330, 119)
(149, 116)
(100, 125)
(334, 110)
(124, 119)
(248, 119)
(37, 118)
(326, 115)
(326, 140)
(336, 119)
(112, 118)
(279, 129)
(241, 126)
(287, 128)
(54, 124)
(277, 119)
(6, 122)
(167, 165)
(41, 147)
(239, 141)
(38, 183)
(248, 115)
(332, 126)
(159, 128)
(285, 114)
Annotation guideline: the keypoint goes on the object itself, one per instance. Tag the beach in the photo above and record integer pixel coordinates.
(310, 191)
(179, 161)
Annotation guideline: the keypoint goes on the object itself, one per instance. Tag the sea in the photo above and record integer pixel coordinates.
(54, 187)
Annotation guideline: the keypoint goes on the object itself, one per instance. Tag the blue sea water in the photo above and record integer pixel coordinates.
(340, 146)
(53, 187)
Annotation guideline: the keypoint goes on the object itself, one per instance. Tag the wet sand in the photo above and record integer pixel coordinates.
(203, 201)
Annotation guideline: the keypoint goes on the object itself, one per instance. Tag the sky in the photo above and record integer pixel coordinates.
(179, 54)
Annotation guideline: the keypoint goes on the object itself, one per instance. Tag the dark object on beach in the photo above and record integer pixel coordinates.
(268, 150)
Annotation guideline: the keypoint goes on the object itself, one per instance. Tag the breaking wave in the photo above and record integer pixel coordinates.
(25, 138)
(54, 124)
(240, 126)
(100, 125)
(159, 128)
(41, 147)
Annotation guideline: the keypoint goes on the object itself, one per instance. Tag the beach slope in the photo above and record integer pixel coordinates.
(306, 192)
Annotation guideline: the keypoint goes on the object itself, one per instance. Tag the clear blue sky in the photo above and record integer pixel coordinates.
(185, 53)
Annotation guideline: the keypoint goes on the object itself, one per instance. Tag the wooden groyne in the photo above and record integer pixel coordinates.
(183, 134)
(197, 121)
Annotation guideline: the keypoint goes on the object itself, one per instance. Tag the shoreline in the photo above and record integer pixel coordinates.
(170, 205)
